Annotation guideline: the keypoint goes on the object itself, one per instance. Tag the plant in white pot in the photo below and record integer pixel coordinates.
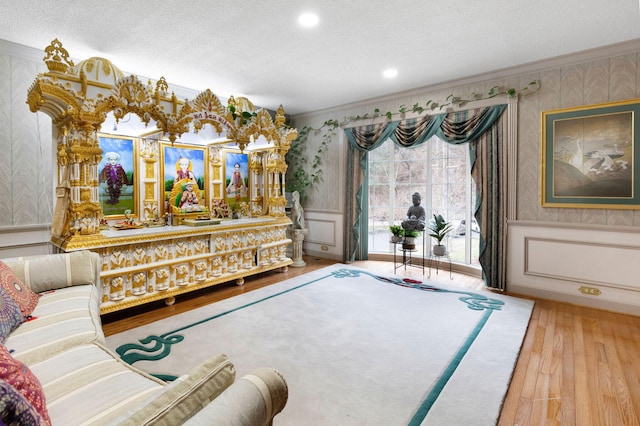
(439, 228)
(409, 241)
(397, 233)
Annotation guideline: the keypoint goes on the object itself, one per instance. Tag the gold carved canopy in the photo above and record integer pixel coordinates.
(79, 97)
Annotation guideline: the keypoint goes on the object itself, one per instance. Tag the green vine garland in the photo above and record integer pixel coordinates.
(300, 178)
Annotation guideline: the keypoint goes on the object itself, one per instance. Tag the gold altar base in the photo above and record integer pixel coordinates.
(170, 293)
(139, 266)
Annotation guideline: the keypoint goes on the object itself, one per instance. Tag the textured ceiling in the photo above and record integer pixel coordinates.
(256, 48)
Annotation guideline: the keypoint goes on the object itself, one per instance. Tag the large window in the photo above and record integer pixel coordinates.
(440, 172)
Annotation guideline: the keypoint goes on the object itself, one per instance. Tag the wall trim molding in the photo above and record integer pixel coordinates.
(528, 241)
(587, 265)
(332, 240)
(25, 228)
(572, 225)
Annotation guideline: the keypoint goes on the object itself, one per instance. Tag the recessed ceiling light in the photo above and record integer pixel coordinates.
(308, 19)
(390, 73)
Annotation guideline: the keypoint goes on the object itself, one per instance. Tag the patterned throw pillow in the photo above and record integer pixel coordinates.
(15, 409)
(20, 293)
(10, 315)
(24, 381)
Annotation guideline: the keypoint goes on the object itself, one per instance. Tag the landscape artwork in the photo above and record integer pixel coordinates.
(589, 157)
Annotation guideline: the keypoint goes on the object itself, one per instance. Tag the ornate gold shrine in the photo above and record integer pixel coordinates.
(78, 98)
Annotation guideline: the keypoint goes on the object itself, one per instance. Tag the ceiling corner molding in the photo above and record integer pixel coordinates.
(20, 51)
(599, 53)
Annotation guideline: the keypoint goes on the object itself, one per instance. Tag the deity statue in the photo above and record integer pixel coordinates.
(236, 183)
(113, 177)
(185, 194)
(184, 170)
(416, 215)
(188, 200)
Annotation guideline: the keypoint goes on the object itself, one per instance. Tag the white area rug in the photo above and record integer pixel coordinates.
(356, 347)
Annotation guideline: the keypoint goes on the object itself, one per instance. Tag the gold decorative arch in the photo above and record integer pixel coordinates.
(78, 98)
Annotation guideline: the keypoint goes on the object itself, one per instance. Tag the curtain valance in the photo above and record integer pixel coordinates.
(456, 127)
(405, 133)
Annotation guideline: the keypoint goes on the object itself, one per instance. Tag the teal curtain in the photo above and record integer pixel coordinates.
(485, 138)
(361, 141)
(356, 243)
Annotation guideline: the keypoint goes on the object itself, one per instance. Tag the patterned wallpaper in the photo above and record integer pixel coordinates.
(26, 186)
(604, 80)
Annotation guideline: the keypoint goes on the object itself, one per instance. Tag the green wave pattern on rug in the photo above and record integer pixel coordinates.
(355, 347)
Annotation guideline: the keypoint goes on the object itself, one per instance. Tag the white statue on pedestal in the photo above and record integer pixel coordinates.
(297, 213)
(298, 229)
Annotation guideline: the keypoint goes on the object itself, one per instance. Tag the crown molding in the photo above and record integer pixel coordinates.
(610, 51)
(21, 51)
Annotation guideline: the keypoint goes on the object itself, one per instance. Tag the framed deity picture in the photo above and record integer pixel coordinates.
(236, 166)
(182, 164)
(589, 156)
(116, 176)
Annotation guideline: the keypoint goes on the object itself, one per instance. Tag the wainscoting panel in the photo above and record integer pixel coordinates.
(593, 266)
(325, 237)
(27, 240)
(595, 263)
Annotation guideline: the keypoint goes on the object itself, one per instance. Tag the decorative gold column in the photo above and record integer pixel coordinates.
(77, 210)
(276, 171)
(149, 150)
(256, 168)
(215, 174)
(61, 93)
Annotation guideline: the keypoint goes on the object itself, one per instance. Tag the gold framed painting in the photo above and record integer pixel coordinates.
(117, 186)
(589, 156)
(236, 172)
(182, 163)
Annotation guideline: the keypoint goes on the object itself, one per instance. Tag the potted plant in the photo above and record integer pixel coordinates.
(439, 228)
(396, 233)
(409, 242)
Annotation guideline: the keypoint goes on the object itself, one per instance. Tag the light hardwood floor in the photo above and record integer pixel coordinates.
(577, 366)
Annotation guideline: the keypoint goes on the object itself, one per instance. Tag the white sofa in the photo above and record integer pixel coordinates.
(85, 383)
